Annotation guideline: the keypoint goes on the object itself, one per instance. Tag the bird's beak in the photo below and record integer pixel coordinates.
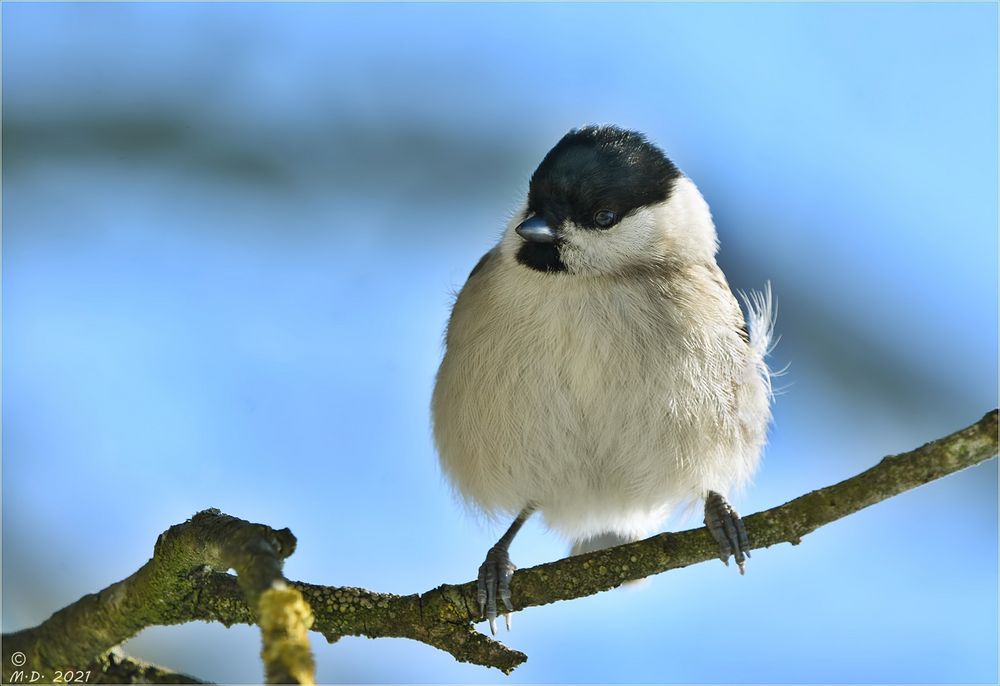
(535, 230)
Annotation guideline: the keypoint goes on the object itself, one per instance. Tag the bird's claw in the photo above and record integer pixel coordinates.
(494, 581)
(728, 530)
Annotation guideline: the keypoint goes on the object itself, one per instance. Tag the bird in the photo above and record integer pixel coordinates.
(598, 370)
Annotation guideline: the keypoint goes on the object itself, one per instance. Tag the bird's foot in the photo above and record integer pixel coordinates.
(727, 529)
(494, 581)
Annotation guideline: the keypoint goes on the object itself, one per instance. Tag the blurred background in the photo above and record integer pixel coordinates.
(231, 234)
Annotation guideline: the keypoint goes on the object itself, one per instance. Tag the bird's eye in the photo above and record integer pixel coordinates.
(605, 218)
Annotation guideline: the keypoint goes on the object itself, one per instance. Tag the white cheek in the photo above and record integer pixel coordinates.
(679, 228)
(634, 240)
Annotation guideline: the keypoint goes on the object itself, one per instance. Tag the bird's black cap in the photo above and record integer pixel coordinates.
(599, 167)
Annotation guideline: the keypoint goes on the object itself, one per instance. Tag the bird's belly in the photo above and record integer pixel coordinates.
(595, 445)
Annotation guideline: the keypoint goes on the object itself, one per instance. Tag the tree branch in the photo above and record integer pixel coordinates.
(159, 593)
(444, 617)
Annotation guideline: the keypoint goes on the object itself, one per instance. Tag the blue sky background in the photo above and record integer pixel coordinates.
(230, 236)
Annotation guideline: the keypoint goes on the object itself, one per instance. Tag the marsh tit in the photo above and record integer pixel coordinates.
(598, 369)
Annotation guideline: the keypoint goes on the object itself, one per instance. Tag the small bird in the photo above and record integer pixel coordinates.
(598, 369)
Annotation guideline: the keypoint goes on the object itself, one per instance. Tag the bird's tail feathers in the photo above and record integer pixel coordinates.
(761, 314)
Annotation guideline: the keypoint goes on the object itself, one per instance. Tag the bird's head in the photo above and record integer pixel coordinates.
(606, 200)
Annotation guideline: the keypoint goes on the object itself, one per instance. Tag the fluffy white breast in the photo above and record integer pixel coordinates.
(607, 394)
